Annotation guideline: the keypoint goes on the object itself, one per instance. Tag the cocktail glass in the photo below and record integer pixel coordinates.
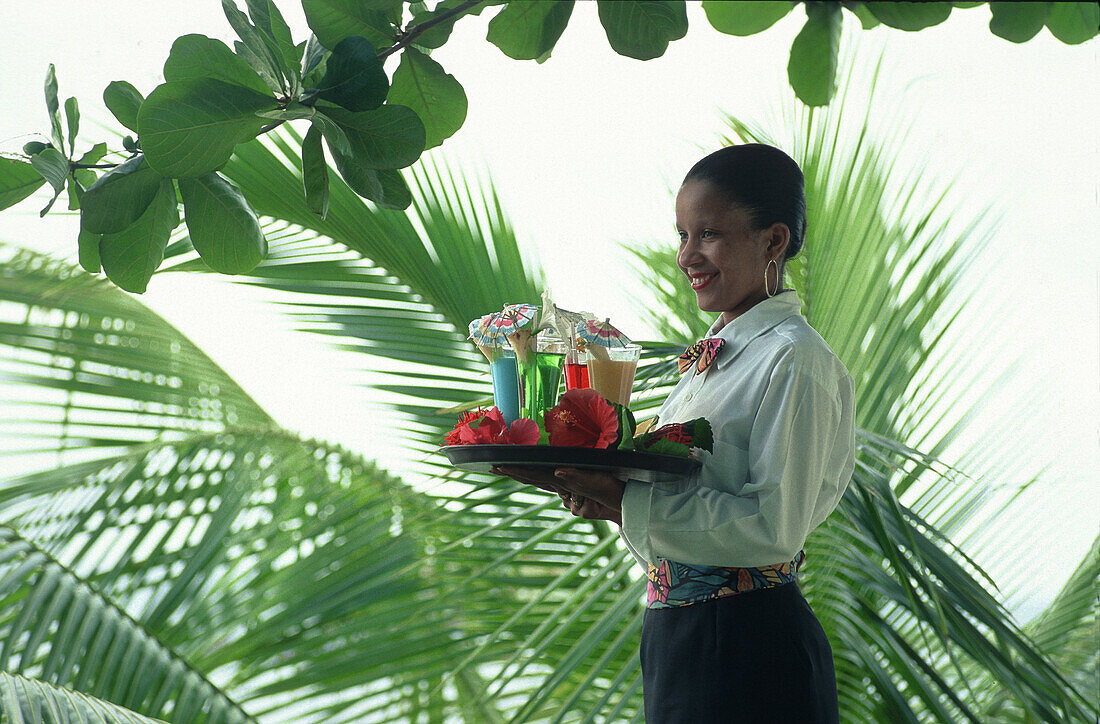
(505, 384)
(576, 371)
(611, 370)
(540, 378)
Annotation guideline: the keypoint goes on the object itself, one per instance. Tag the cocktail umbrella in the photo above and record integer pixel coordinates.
(564, 322)
(516, 323)
(602, 334)
(482, 335)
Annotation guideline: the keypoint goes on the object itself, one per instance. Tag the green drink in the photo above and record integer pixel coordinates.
(540, 380)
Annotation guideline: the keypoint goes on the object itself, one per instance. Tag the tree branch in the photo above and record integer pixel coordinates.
(410, 34)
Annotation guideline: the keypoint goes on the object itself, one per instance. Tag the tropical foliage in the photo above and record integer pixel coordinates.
(169, 549)
(215, 98)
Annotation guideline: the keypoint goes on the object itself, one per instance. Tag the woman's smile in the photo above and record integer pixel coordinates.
(698, 281)
(721, 254)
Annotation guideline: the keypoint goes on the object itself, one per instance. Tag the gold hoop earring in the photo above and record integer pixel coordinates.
(777, 280)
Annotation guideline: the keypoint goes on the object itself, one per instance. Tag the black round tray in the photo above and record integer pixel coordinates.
(647, 467)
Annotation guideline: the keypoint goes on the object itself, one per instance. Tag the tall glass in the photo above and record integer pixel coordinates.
(576, 371)
(539, 378)
(505, 384)
(611, 370)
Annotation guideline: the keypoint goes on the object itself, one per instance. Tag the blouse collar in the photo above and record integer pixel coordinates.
(756, 321)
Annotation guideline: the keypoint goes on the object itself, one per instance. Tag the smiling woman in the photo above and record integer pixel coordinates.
(726, 626)
(551, 607)
(741, 213)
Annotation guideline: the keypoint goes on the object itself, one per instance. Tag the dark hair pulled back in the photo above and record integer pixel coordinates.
(764, 180)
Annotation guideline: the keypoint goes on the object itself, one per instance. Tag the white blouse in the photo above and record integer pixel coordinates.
(780, 404)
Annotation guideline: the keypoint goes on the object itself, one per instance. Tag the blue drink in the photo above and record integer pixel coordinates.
(505, 385)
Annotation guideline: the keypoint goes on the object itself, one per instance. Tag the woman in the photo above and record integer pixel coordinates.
(727, 634)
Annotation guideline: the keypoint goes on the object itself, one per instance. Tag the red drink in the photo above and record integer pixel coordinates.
(576, 376)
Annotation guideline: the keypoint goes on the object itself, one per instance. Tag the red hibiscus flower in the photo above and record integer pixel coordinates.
(487, 427)
(583, 418)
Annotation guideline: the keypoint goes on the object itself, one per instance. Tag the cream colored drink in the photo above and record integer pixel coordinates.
(611, 371)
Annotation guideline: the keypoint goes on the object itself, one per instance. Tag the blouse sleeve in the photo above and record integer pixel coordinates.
(799, 460)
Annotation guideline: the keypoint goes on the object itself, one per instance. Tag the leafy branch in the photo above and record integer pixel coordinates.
(362, 122)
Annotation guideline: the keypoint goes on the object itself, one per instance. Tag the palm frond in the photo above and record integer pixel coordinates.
(880, 280)
(34, 702)
(88, 371)
(93, 645)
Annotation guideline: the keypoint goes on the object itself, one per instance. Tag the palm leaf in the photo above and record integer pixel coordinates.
(40, 596)
(88, 371)
(316, 585)
(33, 702)
(240, 555)
(920, 625)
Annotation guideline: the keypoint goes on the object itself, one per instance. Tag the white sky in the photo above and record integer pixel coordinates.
(585, 151)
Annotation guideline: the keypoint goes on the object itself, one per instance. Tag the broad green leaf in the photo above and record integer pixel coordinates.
(436, 36)
(744, 18)
(189, 128)
(123, 101)
(315, 172)
(53, 166)
(354, 77)
(314, 54)
(72, 121)
(333, 20)
(642, 29)
(1073, 22)
(294, 111)
(130, 257)
(385, 187)
(395, 191)
(261, 66)
(529, 29)
(812, 66)
(53, 108)
(86, 177)
(223, 228)
(866, 19)
(88, 251)
(197, 56)
(334, 135)
(271, 23)
(119, 197)
(435, 95)
(1018, 22)
(76, 190)
(285, 38)
(18, 180)
(908, 15)
(262, 53)
(391, 136)
(32, 147)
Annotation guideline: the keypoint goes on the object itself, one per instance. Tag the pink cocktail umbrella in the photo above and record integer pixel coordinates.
(482, 335)
(513, 318)
(603, 334)
(516, 322)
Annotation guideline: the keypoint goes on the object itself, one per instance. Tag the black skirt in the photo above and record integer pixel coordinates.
(759, 656)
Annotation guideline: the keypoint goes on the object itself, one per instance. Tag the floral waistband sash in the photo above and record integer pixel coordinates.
(673, 584)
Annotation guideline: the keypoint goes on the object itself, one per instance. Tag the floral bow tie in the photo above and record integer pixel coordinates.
(700, 354)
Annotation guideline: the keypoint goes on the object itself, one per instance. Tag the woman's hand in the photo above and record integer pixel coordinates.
(589, 509)
(588, 494)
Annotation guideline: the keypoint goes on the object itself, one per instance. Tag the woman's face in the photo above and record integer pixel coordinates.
(722, 255)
